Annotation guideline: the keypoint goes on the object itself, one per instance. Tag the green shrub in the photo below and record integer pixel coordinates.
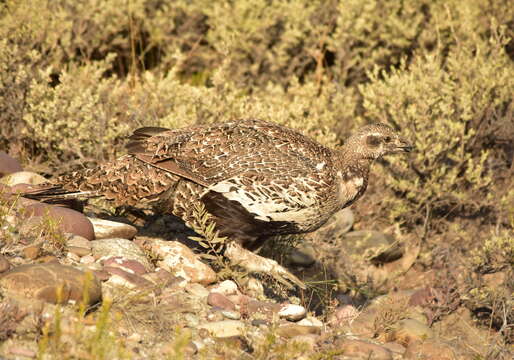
(449, 106)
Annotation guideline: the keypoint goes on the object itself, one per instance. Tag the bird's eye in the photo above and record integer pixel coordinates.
(387, 139)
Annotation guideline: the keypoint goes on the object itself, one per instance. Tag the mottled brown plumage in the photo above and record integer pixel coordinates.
(256, 179)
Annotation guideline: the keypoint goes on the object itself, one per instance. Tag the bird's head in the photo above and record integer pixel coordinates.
(375, 140)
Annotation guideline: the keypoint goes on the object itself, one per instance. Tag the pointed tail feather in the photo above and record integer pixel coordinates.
(57, 194)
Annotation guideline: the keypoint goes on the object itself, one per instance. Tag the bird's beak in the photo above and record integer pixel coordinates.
(403, 145)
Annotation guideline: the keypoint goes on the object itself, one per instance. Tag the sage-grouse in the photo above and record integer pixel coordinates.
(256, 179)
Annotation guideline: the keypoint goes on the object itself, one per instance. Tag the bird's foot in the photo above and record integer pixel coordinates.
(258, 264)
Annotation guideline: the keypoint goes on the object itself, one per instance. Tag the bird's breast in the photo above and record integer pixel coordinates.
(351, 189)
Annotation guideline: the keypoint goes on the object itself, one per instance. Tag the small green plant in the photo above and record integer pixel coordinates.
(204, 226)
(211, 242)
(495, 255)
(181, 340)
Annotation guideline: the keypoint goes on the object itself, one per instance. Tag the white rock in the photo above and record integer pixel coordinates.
(73, 257)
(227, 287)
(292, 312)
(106, 248)
(179, 260)
(229, 314)
(197, 290)
(106, 229)
(88, 259)
(91, 267)
(199, 344)
(23, 177)
(224, 328)
(119, 281)
(311, 321)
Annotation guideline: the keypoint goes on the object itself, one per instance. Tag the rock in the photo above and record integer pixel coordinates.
(364, 324)
(79, 251)
(126, 279)
(215, 315)
(78, 245)
(4, 264)
(74, 258)
(373, 246)
(23, 177)
(226, 287)
(337, 225)
(220, 300)
(266, 309)
(89, 267)
(181, 261)
(357, 349)
(303, 255)
(49, 259)
(78, 241)
(395, 348)
(164, 279)
(70, 221)
(239, 299)
(126, 249)
(197, 290)
(192, 320)
(31, 252)
(106, 229)
(8, 164)
(87, 260)
(407, 331)
(292, 312)
(224, 328)
(102, 275)
(292, 330)
(42, 281)
(430, 349)
(311, 321)
(131, 266)
(233, 315)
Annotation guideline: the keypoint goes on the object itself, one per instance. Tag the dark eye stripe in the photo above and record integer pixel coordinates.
(373, 140)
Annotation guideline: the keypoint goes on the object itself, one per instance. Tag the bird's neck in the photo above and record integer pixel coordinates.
(350, 159)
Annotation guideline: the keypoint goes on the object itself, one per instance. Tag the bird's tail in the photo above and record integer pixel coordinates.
(50, 193)
(124, 181)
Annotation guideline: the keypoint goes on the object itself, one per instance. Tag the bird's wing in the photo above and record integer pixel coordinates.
(208, 155)
(235, 159)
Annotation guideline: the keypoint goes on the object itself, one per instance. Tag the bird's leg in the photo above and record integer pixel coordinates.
(258, 264)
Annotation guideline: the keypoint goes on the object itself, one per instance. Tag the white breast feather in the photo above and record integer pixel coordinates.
(348, 190)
